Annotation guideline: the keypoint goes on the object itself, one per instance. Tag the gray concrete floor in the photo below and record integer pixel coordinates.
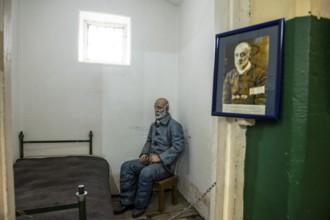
(152, 212)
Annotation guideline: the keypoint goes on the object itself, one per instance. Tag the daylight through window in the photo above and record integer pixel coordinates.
(104, 38)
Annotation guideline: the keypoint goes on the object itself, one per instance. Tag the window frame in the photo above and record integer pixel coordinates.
(105, 20)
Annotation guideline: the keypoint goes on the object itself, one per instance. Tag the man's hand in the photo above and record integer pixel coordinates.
(154, 158)
(144, 159)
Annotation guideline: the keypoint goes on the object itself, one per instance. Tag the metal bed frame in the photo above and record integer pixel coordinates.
(22, 142)
(81, 204)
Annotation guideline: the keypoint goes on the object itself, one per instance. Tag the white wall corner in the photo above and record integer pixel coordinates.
(231, 149)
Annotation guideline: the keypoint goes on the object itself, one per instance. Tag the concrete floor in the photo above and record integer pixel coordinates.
(152, 212)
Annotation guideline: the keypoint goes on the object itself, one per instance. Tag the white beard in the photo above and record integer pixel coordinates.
(160, 115)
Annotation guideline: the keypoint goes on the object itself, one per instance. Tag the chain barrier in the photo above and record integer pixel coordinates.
(22, 213)
(194, 203)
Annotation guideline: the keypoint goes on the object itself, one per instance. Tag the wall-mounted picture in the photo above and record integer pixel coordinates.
(247, 72)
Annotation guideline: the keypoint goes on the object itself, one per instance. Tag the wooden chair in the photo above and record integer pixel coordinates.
(162, 185)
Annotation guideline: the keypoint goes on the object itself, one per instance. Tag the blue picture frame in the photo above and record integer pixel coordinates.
(253, 91)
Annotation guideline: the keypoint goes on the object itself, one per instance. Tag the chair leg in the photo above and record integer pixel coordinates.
(161, 198)
(174, 195)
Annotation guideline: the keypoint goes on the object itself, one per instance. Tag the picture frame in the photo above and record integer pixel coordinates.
(248, 72)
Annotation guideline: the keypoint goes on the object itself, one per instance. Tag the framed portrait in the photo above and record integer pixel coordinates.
(247, 72)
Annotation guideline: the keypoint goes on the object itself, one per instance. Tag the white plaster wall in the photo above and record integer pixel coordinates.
(56, 97)
(195, 92)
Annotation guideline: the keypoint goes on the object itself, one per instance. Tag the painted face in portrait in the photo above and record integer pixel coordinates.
(161, 108)
(242, 55)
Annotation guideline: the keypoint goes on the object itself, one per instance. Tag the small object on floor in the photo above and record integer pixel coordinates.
(138, 212)
(122, 209)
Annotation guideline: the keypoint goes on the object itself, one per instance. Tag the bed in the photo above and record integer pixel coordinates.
(62, 187)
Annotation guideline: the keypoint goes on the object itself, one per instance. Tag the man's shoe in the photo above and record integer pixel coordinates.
(122, 209)
(138, 212)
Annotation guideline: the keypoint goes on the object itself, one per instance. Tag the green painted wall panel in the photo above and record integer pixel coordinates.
(317, 170)
(287, 161)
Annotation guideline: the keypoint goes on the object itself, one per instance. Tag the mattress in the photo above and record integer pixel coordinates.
(51, 181)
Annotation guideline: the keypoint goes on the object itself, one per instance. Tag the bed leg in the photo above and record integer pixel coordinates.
(81, 202)
(90, 143)
(21, 143)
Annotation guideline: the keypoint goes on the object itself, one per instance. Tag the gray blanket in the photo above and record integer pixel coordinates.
(50, 181)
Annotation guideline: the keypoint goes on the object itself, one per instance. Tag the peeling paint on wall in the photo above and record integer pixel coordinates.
(266, 10)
